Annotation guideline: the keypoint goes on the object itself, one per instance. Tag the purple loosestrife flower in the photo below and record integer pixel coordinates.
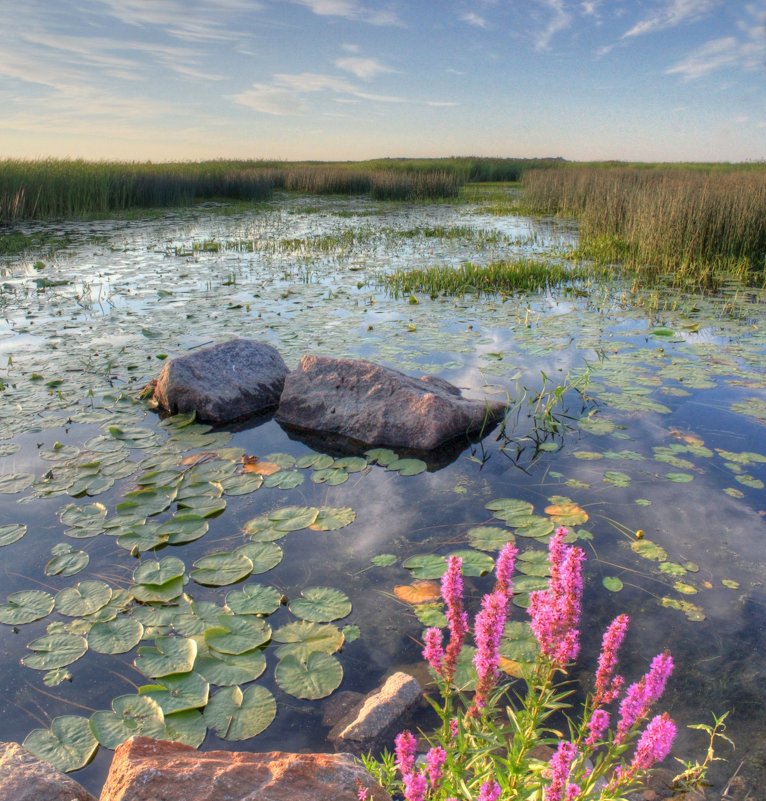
(504, 566)
(415, 786)
(597, 726)
(457, 617)
(607, 684)
(488, 631)
(435, 759)
(555, 612)
(490, 791)
(641, 695)
(573, 790)
(404, 747)
(433, 652)
(560, 764)
(653, 746)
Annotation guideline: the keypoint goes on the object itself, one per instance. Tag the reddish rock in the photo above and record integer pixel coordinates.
(375, 405)
(24, 777)
(227, 382)
(154, 770)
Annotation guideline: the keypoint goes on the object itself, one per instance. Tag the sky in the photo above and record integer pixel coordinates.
(164, 80)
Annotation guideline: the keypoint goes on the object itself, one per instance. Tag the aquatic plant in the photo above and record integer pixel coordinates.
(488, 747)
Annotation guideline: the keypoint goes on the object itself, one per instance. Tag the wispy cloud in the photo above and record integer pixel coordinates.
(745, 51)
(363, 68)
(670, 14)
(351, 10)
(559, 19)
(471, 18)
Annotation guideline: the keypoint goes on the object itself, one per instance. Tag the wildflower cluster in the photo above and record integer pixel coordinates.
(485, 749)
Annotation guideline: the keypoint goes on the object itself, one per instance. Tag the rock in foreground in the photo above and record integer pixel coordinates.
(379, 406)
(227, 382)
(149, 770)
(24, 777)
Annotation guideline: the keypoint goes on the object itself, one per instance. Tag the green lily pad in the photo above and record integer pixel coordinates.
(332, 476)
(384, 560)
(222, 568)
(179, 692)
(519, 643)
(315, 677)
(55, 651)
(303, 637)
(351, 464)
(679, 478)
(533, 563)
(167, 655)
(68, 744)
(263, 555)
(612, 583)
(426, 566)
(225, 670)
(318, 461)
(203, 506)
(294, 518)
(52, 678)
(685, 588)
(186, 727)
(159, 572)
(131, 715)
(489, 538)
(242, 484)
(533, 526)
(527, 584)
(617, 478)
(182, 528)
(84, 598)
(117, 636)
(475, 563)
(25, 607)
(407, 467)
(673, 569)
(236, 715)
(12, 483)
(730, 584)
(321, 605)
(11, 533)
(88, 519)
(382, 456)
(430, 615)
(254, 599)
(284, 479)
(158, 593)
(236, 635)
(331, 518)
(66, 561)
(649, 550)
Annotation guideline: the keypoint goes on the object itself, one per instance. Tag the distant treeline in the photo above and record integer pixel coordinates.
(691, 220)
(52, 188)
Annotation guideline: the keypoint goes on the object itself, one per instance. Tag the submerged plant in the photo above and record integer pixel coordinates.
(488, 747)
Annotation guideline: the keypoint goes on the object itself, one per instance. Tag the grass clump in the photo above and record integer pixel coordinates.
(504, 277)
(694, 222)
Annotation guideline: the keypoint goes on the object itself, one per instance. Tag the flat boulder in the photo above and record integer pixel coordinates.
(24, 777)
(378, 406)
(226, 382)
(144, 769)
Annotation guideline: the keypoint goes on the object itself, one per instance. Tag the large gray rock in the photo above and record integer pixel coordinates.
(153, 770)
(24, 777)
(375, 714)
(379, 406)
(227, 382)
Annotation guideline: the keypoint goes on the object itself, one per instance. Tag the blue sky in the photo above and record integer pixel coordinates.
(648, 80)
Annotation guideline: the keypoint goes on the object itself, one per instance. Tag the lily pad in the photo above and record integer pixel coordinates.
(407, 467)
(315, 677)
(419, 592)
(131, 715)
(237, 634)
(25, 607)
(225, 670)
(55, 651)
(182, 528)
(12, 483)
(331, 518)
(430, 614)
(179, 692)
(489, 538)
(321, 605)
(11, 533)
(236, 715)
(533, 563)
(68, 744)
(426, 566)
(222, 568)
(158, 593)
(384, 560)
(294, 518)
(159, 572)
(263, 555)
(66, 561)
(303, 637)
(382, 456)
(84, 598)
(167, 655)
(332, 476)
(284, 479)
(649, 550)
(186, 727)
(254, 599)
(612, 583)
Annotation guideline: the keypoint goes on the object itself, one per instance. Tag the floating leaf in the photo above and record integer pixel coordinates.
(131, 715)
(567, 514)
(649, 550)
(116, 636)
(351, 633)
(167, 655)
(351, 464)
(84, 598)
(612, 583)
(685, 588)
(617, 478)
(673, 569)
(26, 606)
(430, 614)
(504, 507)
(254, 599)
(222, 568)
(236, 634)
(226, 670)
(730, 584)
(294, 518)
(55, 651)
(407, 467)
(383, 456)
(285, 479)
(426, 566)
(533, 526)
(489, 538)
(66, 561)
(159, 572)
(475, 563)
(12, 483)
(182, 528)
(588, 455)
(384, 560)
(679, 478)
(533, 563)
(419, 592)
(319, 461)
(156, 593)
(331, 518)
(179, 692)
(316, 677)
(11, 533)
(68, 745)
(332, 476)
(252, 464)
(242, 484)
(52, 678)
(519, 643)
(321, 605)
(302, 637)
(185, 727)
(236, 715)
(263, 555)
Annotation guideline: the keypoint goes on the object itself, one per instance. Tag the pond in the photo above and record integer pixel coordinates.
(636, 418)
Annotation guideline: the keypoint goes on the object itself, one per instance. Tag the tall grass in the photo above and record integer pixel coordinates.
(694, 222)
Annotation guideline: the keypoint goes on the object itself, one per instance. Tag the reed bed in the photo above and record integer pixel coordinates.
(497, 277)
(692, 223)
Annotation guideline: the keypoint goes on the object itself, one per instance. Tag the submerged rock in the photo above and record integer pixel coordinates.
(24, 777)
(378, 406)
(375, 714)
(227, 382)
(148, 770)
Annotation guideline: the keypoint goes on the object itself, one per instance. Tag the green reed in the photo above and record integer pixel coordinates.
(692, 222)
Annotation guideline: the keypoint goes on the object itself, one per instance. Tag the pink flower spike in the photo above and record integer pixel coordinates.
(415, 786)
(506, 561)
(404, 747)
(361, 794)
(597, 726)
(457, 617)
(605, 689)
(435, 759)
(488, 631)
(560, 765)
(433, 652)
(490, 791)
(640, 696)
(655, 743)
